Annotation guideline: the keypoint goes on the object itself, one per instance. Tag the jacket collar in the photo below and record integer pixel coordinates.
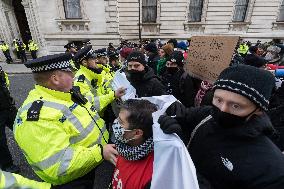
(254, 127)
(50, 93)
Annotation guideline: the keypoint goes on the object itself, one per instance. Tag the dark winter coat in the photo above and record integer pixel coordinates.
(150, 85)
(276, 114)
(234, 158)
(153, 61)
(181, 86)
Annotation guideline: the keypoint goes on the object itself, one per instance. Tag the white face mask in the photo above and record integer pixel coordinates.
(119, 131)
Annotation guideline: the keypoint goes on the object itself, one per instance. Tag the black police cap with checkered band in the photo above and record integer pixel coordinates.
(101, 52)
(51, 62)
(84, 53)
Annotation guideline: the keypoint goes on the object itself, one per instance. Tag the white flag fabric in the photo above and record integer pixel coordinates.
(173, 166)
(120, 80)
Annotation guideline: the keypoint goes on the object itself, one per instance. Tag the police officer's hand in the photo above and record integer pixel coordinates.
(169, 125)
(120, 92)
(110, 153)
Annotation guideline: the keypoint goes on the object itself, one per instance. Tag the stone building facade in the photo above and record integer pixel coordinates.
(53, 23)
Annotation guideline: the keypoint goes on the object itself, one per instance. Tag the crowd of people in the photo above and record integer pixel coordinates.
(73, 120)
(20, 49)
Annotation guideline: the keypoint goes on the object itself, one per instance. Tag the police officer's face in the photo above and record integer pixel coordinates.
(91, 62)
(63, 80)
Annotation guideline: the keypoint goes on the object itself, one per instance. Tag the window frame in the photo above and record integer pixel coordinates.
(156, 9)
(203, 4)
(281, 5)
(66, 12)
(245, 13)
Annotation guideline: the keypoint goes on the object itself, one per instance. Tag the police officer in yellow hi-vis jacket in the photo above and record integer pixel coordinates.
(6, 51)
(58, 129)
(90, 77)
(15, 181)
(33, 48)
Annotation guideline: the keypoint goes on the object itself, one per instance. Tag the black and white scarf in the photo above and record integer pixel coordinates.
(133, 153)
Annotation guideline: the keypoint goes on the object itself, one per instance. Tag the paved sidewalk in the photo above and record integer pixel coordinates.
(15, 68)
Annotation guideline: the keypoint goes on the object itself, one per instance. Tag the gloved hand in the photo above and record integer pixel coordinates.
(176, 109)
(169, 125)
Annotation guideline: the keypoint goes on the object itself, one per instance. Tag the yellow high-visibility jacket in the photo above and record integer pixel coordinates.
(243, 49)
(88, 80)
(11, 180)
(32, 46)
(58, 136)
(4, 47)
(17, 47)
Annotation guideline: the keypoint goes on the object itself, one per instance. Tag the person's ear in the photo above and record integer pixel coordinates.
(258, 112)
(139, 133)
(85, 63)
(54, 79)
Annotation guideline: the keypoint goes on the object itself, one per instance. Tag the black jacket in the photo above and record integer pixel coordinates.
(153, 61)
(150, 85)
(234, 158)
(181, 86)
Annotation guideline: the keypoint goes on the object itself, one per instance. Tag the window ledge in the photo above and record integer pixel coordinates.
(73, 24)
(239, 26)
(278, 25)
(150, 28)
(194, 26)
(151, 24)
(239, 23)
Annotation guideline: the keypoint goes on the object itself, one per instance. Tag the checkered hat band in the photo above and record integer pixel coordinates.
(87, 55)
(53, 66)
(244, 90)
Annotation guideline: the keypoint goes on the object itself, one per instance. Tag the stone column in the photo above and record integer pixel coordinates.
(31, 10)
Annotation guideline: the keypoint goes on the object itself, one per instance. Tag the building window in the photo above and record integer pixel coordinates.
(240, 10)
(72, 9)
(281, 12)
(149, 11)
(195, 10)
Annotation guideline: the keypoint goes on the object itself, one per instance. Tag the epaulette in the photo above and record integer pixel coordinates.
(34, 111)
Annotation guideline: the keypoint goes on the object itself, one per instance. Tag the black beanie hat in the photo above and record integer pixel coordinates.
(251, 82)
(137, 56)
(151, 47)
(177, 57)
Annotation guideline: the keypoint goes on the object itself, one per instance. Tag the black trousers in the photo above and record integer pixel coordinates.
(8, 56)
(6, 119)
(33, 53)
(23, 56)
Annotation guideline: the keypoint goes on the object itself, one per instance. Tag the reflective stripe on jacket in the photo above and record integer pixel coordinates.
(65, 142)
(10, 180)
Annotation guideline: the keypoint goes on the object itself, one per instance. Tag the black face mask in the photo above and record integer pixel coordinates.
(225, 119)
(136, 76)
(172, 70)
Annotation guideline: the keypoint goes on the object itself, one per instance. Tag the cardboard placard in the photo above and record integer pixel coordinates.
(208, 56)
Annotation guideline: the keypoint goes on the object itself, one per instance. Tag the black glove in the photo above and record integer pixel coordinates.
(169, 125)
(176, 109)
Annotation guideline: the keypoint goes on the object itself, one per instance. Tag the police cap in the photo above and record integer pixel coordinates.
(70, 45)
(84, 53)
(51, 62)
(101, 52)
(113, 55)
